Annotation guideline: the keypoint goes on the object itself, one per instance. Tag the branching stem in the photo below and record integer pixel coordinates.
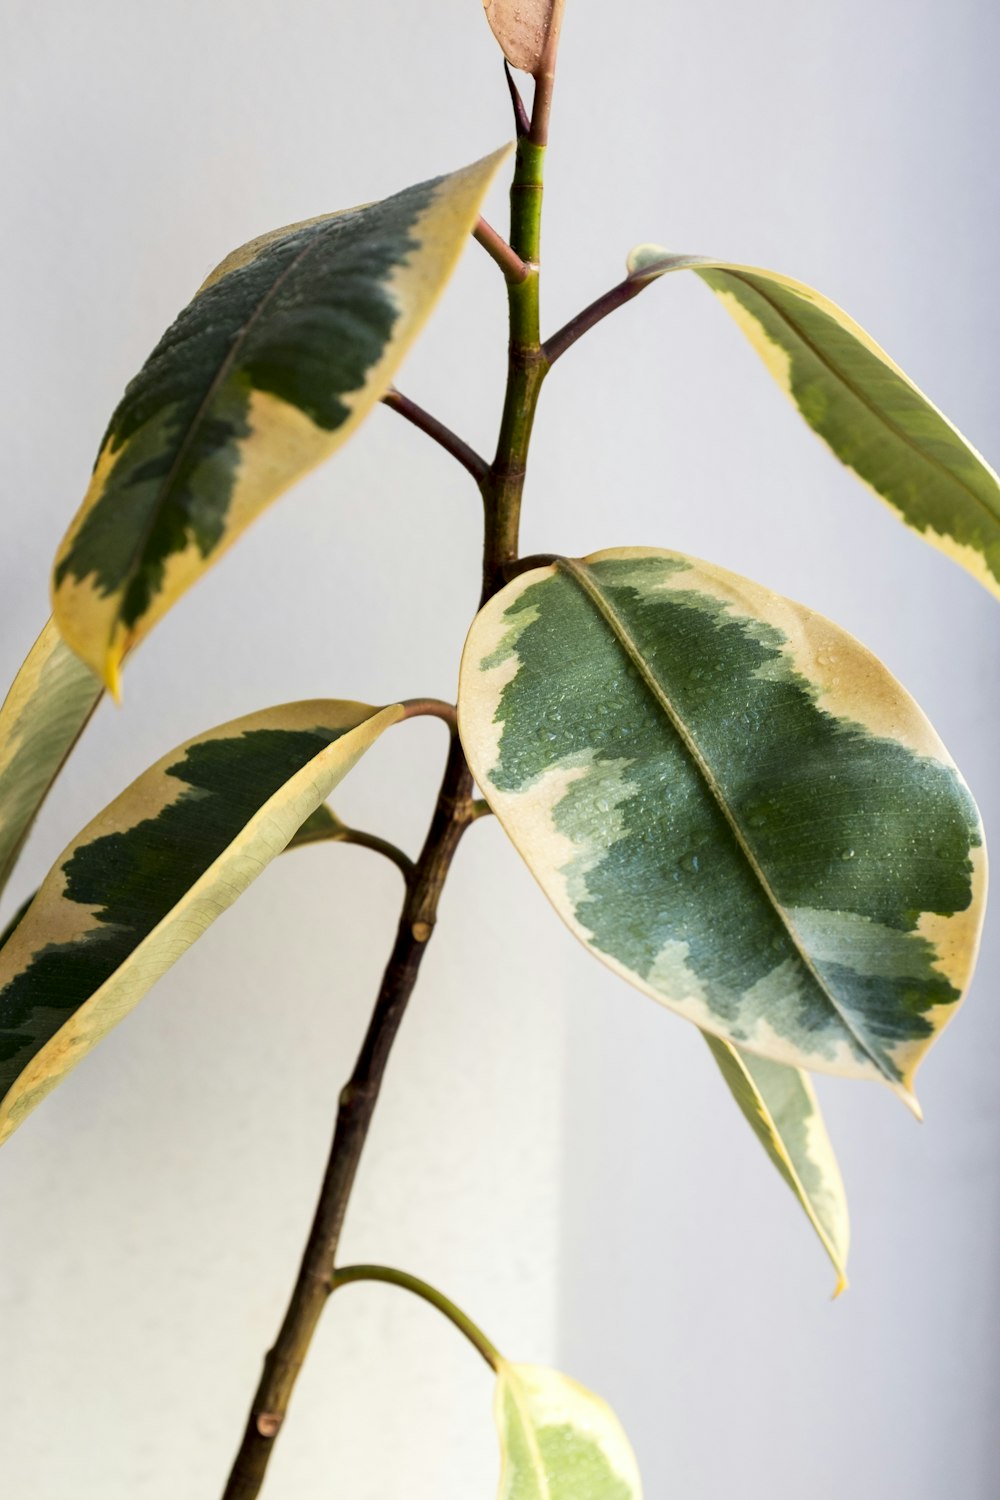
(339, 833)
(363, 840)
(391, 1277)
(599, 309)
(501, 484)
(442, 435)
(497, 248)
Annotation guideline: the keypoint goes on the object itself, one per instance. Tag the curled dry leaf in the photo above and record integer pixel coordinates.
(524, 29)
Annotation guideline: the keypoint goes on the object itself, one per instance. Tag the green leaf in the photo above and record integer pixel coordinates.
(558, 1441)
(861, 404)
(285, 349)
(145, 879)
(524, 28)
(732, 803)
(781, 1107)
(49, 703)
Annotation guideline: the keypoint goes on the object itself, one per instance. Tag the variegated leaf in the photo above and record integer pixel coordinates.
(145, 879)
(558, 1441)
(49, 703)
(861, 404)
(781, 1107)
(732, 803)
(284, 350)
(524, 29)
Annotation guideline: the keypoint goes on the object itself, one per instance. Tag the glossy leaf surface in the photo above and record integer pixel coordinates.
(732, 803)
(524, 28)
(780, 1105)
(145, 879)
(861, 404)
(558, 1441)
(49, 703)
(284, 350)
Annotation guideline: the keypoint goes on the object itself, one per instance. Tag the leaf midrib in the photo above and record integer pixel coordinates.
(215, 385)
(523, 1409)
(876, 411)
(582, 576)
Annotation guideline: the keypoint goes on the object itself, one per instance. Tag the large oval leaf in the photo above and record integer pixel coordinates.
(781, 1107)
(732, 803)
(145, 879)
(49, 703)
(861, 404)
(524, 29)
(286, 347)
(558, 1441)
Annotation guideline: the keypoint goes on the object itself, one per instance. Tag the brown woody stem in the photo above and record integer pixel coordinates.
(501, 484)
(584, 321)
(314, 1283)
(442, 435)
(497, 248)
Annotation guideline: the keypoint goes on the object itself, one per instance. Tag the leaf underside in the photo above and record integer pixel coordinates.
(860, 403)
(284, 350)
(732, 804)
(145, 879)
(780, 1106)
(49, 703)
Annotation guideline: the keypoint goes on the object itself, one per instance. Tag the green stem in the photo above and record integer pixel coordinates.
(428, 1293)
(503, 486)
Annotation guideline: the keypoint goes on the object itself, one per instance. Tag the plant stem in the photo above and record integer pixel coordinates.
(428, 1293)
(363, 840)
(497, 248)
(442, 435)
(357, 1103)
(339, 833)
(501, 485)
(608, 302)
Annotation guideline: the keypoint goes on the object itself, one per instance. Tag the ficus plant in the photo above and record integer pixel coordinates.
(728, 800)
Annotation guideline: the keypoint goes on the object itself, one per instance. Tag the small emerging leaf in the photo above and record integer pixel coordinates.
(780, 1105)
(731, 803)
(524, 29)
(49, 703)
(145, 879)
(558, 1441)
(861, 404)
(285, 349)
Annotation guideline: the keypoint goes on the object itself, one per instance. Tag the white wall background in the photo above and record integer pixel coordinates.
(552, 1149)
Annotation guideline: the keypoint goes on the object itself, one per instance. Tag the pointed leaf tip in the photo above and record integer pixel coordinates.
(148, 876)
(861, 404)
(281, 354)
(780, 1106)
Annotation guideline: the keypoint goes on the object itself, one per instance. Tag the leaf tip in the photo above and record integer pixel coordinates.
(909, 1098)
(111, 674)
(842, 1283)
